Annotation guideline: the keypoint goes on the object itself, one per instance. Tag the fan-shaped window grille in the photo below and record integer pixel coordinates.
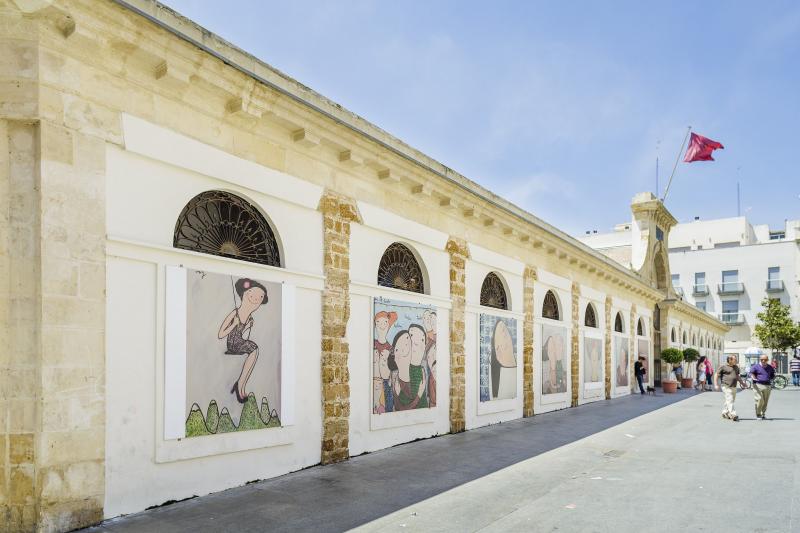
(618, 323)
(590, 318)
(550, 307)
(640, 327)
(493, 293)
(672, 335)
(399, 269)
(220, 223)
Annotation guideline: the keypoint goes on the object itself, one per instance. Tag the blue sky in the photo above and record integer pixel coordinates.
(561, 107)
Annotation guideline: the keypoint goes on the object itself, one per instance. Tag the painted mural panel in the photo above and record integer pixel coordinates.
(233, 354)
(643, 350)
(621, 361)
(403, 356)
(592, 360)
(497, 372)
(554, 360)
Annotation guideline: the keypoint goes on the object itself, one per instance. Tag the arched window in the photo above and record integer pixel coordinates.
(399, 269)
(550, 307)
(701, 341)
(672, 335)
(618, 323)
(590, 317)
(684, 337)
(493, 293)
(640, 329)
(694, 339)
(221, 223)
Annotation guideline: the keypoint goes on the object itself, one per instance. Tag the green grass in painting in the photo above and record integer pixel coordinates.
(216, 422)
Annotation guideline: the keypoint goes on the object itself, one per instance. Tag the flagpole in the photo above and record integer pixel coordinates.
(677, 159)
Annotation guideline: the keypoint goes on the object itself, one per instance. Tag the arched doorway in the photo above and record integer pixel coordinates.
(656, 346)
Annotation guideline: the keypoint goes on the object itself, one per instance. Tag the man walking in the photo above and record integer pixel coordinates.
(763, 373)
(794, 366)
(639, 371)
(728, 374)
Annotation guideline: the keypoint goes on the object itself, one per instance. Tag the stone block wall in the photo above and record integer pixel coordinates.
(575, 351)
(607, 351)
(337, 213)
(457, 248)
(528, 279)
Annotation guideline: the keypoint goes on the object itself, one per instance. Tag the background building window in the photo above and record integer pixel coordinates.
(701, 305)
(493, 293)
(550, 307)
(221, 223)
(676, 280)
(399, 269)
(774, 282)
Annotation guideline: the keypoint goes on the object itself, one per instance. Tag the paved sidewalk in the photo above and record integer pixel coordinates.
(371, 486)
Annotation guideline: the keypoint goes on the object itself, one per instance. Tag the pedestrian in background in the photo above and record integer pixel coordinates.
(794, 366)
(639, 370)
(678, 369)
(763, 374)
(701, 373)
(709, 373)
(728, 374)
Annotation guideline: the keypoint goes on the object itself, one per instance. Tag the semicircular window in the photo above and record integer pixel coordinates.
(493, 293)
(640, 327)
(220, 223)
(550, 306)
(399, 269)
(590, 318)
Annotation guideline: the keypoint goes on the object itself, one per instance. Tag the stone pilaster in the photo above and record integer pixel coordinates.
(20, 301)
(457, 248)
(607, 354)
(529, 277)
(633, 350)
(575, 352)
(337, 213)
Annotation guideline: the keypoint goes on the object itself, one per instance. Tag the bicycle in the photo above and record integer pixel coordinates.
(779, 383)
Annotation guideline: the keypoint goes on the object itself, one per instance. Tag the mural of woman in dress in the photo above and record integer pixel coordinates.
(236, 328)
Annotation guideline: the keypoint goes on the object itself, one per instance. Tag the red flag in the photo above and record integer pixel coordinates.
(700, 149)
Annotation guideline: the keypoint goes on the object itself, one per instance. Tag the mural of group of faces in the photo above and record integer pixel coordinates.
(403, 356)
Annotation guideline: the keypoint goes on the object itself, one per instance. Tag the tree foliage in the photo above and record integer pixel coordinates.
(690, 355)
(672, 356)
(775, 328)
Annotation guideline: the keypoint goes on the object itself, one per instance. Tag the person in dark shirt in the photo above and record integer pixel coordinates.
(639, 370)
(763, 373)
(728, 374)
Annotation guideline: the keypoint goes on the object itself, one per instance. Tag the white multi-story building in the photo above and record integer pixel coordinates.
(725, 267)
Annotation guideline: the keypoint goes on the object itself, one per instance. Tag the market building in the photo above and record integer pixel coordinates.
(217, 275)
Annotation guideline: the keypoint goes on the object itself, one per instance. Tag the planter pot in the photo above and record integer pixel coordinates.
(669, 386)
(687, 383)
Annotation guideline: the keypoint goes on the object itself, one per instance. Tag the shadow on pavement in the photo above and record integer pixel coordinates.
(348, 494)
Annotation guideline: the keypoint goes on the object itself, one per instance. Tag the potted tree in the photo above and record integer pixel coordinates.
(671, 356)
(690, 355)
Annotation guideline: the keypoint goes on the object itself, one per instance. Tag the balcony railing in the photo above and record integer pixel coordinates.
(731, 319)
(775, 285)
(731, 287)
(700, 290)
(678, 291)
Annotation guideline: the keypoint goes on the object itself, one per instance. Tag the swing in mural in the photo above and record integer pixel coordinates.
(592, 360)
(621, 361)
(554, 366)
(233, 354)
(498, 358)
(403, 356)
